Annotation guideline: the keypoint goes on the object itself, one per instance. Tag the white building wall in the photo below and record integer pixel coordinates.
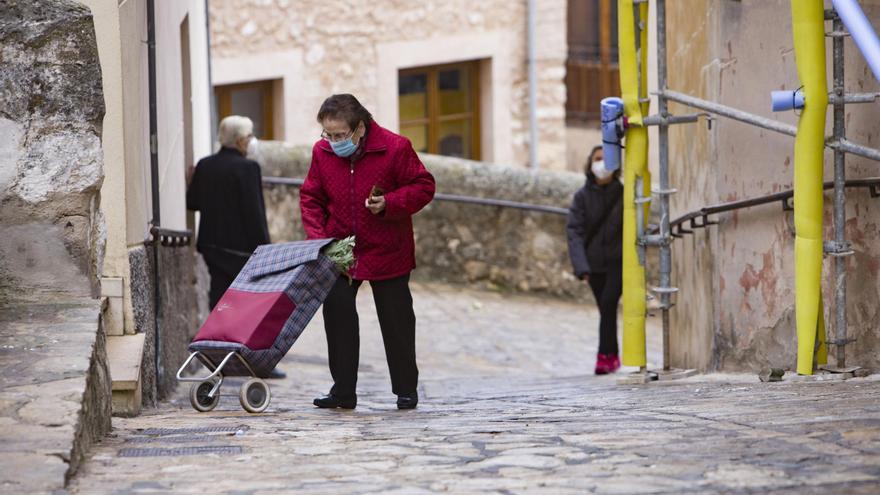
(121, 28)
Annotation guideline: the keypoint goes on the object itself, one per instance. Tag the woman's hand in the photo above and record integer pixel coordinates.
(376, 204)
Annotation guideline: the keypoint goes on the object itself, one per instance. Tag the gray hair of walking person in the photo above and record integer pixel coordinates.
(236, 132)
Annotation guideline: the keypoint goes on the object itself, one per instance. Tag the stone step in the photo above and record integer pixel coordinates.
(125, 354)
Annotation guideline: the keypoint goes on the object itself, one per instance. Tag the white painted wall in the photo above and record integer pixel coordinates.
(172, 180)
(121, 28)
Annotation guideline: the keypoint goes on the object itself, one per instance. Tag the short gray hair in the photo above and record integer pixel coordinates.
(233, 128)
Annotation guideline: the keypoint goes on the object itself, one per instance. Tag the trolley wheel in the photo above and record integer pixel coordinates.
(254, 395)
(198, 396)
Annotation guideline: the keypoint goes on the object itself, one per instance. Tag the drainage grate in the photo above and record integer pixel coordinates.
(204, 429)
(190, 439)
(181, 451)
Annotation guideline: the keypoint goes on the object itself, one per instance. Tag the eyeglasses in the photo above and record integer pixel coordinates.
(337, 136)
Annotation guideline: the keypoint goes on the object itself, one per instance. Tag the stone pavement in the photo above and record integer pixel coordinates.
(54, 389)
(508, 406)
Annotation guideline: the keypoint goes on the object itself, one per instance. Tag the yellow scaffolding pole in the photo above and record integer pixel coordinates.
(633, 69)
(808, 28)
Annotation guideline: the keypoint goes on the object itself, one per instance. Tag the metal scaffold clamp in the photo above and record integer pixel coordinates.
(837, 249)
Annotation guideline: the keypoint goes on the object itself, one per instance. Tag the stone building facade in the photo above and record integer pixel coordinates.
(735, 309)
(305, 51)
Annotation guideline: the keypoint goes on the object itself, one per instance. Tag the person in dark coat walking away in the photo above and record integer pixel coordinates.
(226, 189)
(595, 246)
(368, 182)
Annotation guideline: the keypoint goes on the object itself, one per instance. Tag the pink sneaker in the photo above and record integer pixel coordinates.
(613, 362)
(603, 364)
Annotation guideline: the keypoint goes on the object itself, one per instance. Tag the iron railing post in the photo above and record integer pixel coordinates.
(839, 196)
(663, 150)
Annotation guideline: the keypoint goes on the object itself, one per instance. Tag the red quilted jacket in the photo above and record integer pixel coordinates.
(332, 201)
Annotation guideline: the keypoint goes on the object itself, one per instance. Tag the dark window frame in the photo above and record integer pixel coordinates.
(223, 95)
(592, 70)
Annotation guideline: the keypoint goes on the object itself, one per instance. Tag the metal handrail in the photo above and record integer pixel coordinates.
(872, 183)
(170, 237)
(454, 198)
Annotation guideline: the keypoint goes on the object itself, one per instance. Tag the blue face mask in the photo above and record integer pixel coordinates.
(343, 148)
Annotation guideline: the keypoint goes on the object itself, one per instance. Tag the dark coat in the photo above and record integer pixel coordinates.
(227, 190)
(333, 195)
(595, 243)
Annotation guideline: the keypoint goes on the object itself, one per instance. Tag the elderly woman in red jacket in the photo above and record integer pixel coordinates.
(366, 181)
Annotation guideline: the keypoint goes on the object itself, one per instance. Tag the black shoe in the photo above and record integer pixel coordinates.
(407, 401)
(331, 401)
(276, 374)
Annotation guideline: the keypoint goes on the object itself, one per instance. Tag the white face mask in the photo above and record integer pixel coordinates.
(599, 171)
(253, 147)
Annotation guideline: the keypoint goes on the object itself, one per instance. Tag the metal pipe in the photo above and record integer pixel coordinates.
(212, 100)
(154, 173)
(454, 198)
(729, 112)
(640, 201)
(763, 122)
(839, 197)
(154, 145)
(533, 86)
(663, 150)
(833, 98)
(849, 13)
(660, 120)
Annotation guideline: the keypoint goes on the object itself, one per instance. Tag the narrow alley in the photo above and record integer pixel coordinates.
(509, 405)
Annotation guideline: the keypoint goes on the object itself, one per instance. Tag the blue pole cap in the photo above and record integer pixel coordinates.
(781, 101)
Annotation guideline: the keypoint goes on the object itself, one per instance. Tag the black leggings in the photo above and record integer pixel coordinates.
(394, 307)
(607, 288)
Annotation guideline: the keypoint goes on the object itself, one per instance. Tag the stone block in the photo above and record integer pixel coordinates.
(125, 355)
(114, 313)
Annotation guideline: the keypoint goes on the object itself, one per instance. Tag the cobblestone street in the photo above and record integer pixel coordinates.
(508, 405)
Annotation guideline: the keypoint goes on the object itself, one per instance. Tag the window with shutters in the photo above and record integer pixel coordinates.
(591, 67)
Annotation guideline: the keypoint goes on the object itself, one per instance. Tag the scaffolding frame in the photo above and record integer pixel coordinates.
(839, 248)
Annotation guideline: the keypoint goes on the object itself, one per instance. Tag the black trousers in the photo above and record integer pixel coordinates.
(220, 281)
(394, 307)
(607, 288)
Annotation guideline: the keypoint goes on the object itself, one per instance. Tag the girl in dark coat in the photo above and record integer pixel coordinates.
(595, 231)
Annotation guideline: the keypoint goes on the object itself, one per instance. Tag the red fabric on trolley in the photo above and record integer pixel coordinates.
(253, 319)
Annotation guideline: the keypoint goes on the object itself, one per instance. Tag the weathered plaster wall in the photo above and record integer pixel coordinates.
(360, 54)
(691, 38)
(737, 279)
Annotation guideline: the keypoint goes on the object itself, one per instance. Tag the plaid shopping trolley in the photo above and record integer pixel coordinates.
(258, 319)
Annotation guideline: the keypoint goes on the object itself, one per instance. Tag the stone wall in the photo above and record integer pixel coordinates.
(330, 53)
(493, 247)
(178, 314)
(51, 108)
(56, 386)
(735, 309)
